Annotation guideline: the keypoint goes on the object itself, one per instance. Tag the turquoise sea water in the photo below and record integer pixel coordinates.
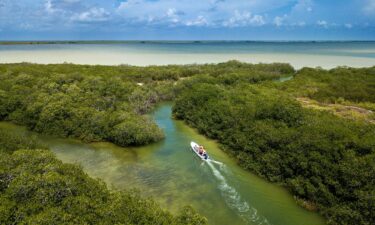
(299, 54)
(356, 49)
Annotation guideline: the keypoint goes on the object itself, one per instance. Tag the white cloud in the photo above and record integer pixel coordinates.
(225, 13)
(171, 12)
(303, 6)
(322, 23)
(279, 20)
(201, 13)
(257, 20)
(129, 3)
(173, 16)
(215, 13)
(63, 6)
(300, 24)
(284, 20)
(92, 15)
(284, 14)
(49, 7)
(244, 19)
(199, 21)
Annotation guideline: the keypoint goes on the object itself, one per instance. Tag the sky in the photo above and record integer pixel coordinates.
(187, 20)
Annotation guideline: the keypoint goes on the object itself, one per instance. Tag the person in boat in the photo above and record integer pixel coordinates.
(204, 154)
(201, 150)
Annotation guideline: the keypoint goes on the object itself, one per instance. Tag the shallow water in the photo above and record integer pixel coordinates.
(174, 176)
(299, 54)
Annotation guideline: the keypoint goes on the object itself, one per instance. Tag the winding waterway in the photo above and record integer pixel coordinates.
(173, 176)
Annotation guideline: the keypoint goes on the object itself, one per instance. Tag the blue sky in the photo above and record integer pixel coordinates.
(187, 19)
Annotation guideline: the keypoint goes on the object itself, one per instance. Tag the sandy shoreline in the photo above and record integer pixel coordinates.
(144, 59)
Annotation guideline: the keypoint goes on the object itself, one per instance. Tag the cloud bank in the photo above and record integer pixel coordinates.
(167, 16)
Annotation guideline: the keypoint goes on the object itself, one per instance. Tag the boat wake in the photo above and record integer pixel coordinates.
(221, 165)
(217, 162)
(233, 198)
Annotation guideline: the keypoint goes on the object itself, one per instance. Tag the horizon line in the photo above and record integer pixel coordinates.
(180, 40)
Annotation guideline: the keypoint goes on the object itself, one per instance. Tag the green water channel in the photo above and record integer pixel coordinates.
(170, 173)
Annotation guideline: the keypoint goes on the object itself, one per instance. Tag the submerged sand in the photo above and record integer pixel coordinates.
(108, 57)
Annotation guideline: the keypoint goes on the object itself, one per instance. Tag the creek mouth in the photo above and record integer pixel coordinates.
(171, 174)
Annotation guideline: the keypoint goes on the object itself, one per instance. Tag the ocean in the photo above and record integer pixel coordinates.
(142, 53)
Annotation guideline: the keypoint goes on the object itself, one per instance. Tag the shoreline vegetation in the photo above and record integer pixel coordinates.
(326, 160)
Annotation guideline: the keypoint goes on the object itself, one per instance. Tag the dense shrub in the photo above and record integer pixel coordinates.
(354, 85)
(95, 103)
